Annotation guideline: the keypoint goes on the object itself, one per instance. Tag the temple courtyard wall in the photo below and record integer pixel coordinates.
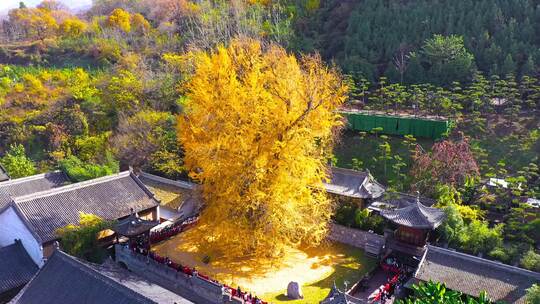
(193, 288)
(355, 237)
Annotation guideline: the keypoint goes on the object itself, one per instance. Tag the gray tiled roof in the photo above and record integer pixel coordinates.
(16, 267)
(415, 215)
(471, 275)
(4, 176)
(405, 199)
(138, 284)
(353, 183)
(66, 280)
(30, 184)
(110, 197)
(397, 200)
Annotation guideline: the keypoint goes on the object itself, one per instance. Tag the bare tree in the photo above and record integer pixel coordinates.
(219, 21)
(401, 60)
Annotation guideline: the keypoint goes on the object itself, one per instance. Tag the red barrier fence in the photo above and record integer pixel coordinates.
(168, 232)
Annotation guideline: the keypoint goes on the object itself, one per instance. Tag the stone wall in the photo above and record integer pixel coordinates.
(193, 288)
(354, 237)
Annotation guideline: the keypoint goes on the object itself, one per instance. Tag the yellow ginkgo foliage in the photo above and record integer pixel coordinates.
(120, 19)
(72, 27)
(257, 128)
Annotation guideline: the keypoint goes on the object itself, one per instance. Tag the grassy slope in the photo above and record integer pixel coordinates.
(350, 269)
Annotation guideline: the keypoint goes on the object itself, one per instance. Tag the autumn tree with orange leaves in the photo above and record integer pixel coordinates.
(257, 129)
(449, 163)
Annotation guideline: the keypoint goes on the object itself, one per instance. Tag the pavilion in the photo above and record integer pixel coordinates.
(136, 229)
(414, 222)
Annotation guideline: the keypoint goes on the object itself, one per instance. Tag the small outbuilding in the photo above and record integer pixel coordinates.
(357, 186)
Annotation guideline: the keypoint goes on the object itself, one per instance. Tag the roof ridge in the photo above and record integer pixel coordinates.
(70, 187)
(177, 183)
(413, 196)
(474, 258)
(142, 185)
(27, 178)
(98, 275)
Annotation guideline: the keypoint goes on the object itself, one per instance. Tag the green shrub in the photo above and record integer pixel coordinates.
(500, 254)
(345, 214)
(361, 217)
(365, 220)
(17, 163)
(79, 171)
(479, 237)
(531, 261)
(533, 294)
(82, 240)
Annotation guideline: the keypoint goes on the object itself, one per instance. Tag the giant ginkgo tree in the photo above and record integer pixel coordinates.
(257, 130)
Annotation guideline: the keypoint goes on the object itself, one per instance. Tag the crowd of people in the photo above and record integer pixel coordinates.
(172, 230)
(398, 276)
(141, 246)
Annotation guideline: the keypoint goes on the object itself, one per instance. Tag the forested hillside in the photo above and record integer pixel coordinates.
(374, 38)
(87, 92)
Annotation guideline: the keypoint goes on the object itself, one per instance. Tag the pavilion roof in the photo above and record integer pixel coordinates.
(133, 226)
(415, 215)
(353, 183)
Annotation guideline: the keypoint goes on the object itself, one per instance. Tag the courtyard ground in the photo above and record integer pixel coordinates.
(168, 195)
(315, 269)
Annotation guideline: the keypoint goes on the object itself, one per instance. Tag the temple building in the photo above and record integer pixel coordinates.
(356, 186)
(471, 275)
(65, 279)
(414, 223)
(35, 218)
(16, 270)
